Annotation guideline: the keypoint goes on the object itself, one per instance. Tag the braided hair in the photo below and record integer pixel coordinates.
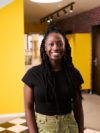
(73, 77)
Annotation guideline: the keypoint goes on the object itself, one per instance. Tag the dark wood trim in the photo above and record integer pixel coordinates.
(93, 56)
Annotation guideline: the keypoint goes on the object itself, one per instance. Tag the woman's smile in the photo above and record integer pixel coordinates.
(56, 54)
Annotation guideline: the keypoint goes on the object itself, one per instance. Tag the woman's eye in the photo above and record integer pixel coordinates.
(59, 44)
(51, 44)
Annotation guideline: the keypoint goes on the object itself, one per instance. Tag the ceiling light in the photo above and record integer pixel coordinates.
(51, 17)
(45, 1)
(71, 8)
(48, 21)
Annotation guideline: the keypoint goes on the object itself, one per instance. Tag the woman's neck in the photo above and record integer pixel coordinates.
(56, 65)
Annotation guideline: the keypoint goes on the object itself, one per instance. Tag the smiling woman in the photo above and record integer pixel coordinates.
(52, 87)
(46, 1)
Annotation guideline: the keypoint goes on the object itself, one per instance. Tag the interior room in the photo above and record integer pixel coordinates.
(23, 24)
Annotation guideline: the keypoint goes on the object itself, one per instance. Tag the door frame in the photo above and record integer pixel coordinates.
(93, 57)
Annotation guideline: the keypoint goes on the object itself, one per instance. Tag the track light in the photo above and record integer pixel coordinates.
(51, 19)
(64, 11)
(42, 21)
(71, 8)
(51, 16)
(48, 21)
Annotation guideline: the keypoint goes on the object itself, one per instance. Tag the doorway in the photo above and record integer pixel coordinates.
(32, 49)
(96, 59)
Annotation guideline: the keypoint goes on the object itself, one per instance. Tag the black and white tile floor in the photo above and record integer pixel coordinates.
(18, 125)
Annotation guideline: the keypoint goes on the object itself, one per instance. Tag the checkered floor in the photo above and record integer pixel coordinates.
(19, 125)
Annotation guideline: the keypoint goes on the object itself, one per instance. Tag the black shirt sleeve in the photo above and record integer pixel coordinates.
(80, 78)
(27, 79)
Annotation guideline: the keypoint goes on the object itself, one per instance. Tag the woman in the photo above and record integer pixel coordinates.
(52, 89)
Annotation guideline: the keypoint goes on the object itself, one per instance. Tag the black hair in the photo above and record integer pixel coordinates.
(72, 74)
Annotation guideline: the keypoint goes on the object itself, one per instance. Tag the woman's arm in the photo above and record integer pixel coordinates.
(29, 109)
(78, 113)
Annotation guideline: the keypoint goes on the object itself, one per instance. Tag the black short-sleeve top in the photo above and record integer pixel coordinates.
(34, 79)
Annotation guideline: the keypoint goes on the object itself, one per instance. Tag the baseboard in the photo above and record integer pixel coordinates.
(6, 117)
(86, 91)
(12, 115)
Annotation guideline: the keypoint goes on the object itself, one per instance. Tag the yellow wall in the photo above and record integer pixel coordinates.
(11, 57)
(35, 28)
(71, 39)
(81, 53)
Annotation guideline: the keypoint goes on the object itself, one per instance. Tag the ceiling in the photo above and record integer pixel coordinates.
(35, 11)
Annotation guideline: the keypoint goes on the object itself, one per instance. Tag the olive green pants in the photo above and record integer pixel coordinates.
(56, 123)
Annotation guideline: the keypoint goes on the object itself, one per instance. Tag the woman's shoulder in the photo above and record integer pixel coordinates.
(79, 75)
(35, 69)
(76, 70)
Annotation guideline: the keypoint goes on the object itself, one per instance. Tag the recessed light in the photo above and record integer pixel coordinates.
(45, 1)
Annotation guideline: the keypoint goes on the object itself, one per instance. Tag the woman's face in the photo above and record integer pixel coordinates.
(55, 46)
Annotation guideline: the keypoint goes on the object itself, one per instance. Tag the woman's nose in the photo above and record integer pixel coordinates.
(55, 46)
